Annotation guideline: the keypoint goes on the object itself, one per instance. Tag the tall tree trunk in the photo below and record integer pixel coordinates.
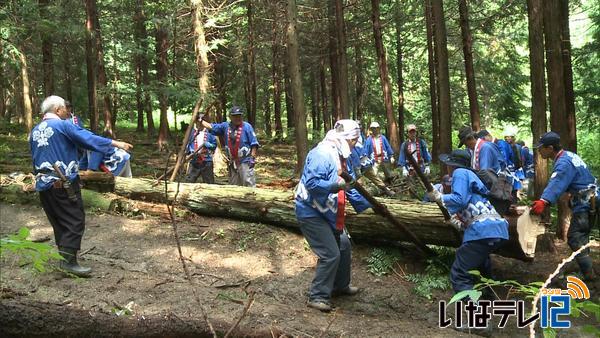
(267, 109)
(441, 51)
(538, 89)
(142, 43)
(433, 97)
(26, 96)
(467, 42)
(162, 47)
(138, 95)
(334, 62)
(556, 91)
(571, 141)
(399, 65)
(47, 59)
(360, 82)
(173, 69)
(392, 126)
(340, 28)
(277, 90)
(115, 92)
(68, 83)
(222, 93)
(90, 9)
(324, 106)
(314, 102)
(138, 19)
(201, 47)
(296, 86)
(251, 65)
(289, 103)
(102, 81)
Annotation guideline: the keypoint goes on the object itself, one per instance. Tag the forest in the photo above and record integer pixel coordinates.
(174, 258)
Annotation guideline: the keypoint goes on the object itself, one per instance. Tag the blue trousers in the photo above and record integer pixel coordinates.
(472, 255)
(335, 255)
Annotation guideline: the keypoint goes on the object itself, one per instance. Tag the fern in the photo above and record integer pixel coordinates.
(381, 261)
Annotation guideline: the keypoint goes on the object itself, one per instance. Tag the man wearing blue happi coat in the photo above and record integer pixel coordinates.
(378, 148)
(418, 148)
(202, 143)
(363, 165)
(484, 229)
(570, 174)
(527, 160)
(320, 209)
(55, 141)
(240, 145)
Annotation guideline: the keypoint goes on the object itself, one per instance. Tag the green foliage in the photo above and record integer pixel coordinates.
(381, 261)
(426, 283)
(38, 255)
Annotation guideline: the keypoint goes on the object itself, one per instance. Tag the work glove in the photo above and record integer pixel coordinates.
(538, 206)
(434, 196)
(405, 172)
(252, 162)
(427, 170)
(456, 222)
(392, 160)
(341, 184)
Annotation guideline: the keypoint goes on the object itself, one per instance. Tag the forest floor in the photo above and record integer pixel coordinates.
(136, 266)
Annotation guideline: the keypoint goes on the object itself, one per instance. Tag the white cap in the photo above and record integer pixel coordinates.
(510, 131)
(374, 125)
(411, 127)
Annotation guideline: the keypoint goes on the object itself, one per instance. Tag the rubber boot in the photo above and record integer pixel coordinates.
(70, 265)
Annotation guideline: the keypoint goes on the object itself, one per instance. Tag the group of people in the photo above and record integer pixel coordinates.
(58, 141)
(322, 193)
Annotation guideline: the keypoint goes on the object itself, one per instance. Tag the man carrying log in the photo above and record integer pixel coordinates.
(485, 230)
(570, 174)
(320, 209)
(202, 144)
(241, 146)
(418, 148)
(54, 143)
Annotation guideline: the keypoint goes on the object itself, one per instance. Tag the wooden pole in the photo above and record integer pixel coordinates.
(181, 154)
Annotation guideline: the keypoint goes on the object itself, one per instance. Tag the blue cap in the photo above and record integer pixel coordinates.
(457, 158)
(235, 110)
(549, 139)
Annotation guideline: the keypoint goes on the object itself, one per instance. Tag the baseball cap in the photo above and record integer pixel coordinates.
(235, 110)
(549, 139)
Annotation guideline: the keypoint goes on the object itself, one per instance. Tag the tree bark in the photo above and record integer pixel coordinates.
(162, 47)
(251, 65)
(324, 106)
(267, 109)
(101, 74)
(442, 72)
(289, 102)
(277, 90)
(47, 57)
(201, 48)
(68, 83)
(538, 90)
(340, 29)
(300, 132)
(467, 42)
(392, 126)
(435, 120)
(571, 141)
(399, 65)
(360, 82)
(333, 62)
(90, 8)
(26, 96)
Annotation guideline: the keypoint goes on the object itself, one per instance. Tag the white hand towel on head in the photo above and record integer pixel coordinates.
(342, 131)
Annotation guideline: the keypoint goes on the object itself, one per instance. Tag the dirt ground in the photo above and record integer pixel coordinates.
(135, 262)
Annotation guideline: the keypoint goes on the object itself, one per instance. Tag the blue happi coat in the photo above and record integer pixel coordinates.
(506, 151)
(490, 157)
(359, 157)
(114, 160)
(316, 195)
(386, 149)
(468, 201)
(527, 159)
(425, 156)
(55, 140)
(204, 139)
(247, 140)
(570, 174)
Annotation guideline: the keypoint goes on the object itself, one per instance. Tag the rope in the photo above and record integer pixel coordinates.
(26, 181)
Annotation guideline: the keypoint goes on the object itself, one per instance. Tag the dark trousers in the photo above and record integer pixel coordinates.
(204, 169)
(335, 256)
(472, 255)
(67, 217)
(578, 236)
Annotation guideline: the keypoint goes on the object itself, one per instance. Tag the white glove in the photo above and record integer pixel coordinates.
(404, 172)
(434, 196)
(456, 222)
(392, 160)
(427, 170)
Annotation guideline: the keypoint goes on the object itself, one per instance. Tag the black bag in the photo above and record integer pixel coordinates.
(500, 187)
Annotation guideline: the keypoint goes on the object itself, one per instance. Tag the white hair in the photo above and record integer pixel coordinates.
(51, 103)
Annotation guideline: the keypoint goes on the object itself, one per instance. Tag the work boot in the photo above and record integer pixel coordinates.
(320, 305)
(70, 265)
(349, 291)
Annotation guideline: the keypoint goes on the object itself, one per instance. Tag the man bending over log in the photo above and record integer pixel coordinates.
(54, 144)
(320, 204)
(485, 230)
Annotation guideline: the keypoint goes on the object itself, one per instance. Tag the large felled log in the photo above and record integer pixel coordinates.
(277, 207)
